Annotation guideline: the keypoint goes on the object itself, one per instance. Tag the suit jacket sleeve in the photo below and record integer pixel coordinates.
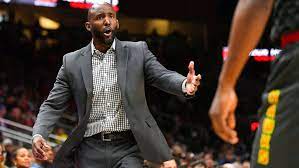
(157, 75)
(53, 107)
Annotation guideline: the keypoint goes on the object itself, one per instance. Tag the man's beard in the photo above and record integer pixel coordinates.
(101, 37)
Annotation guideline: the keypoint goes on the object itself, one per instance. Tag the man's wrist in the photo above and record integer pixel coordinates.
(224, 85)
(36, 135)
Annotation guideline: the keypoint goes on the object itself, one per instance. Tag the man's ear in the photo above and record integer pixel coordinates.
(117, 24)
(88, 26)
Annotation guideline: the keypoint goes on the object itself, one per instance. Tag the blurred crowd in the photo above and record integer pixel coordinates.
(31, 57)
(14, 156)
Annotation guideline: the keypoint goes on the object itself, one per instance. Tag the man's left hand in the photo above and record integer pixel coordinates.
(193, 80)
(169, 164)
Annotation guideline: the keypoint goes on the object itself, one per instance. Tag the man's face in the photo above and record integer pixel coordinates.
(102, 23)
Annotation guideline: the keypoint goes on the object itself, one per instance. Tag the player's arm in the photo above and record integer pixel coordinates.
(249, 22)
(248, 25)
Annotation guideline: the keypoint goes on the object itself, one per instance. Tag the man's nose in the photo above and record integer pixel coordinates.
(107, 21)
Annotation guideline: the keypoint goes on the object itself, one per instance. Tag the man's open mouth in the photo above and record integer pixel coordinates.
(107, 31)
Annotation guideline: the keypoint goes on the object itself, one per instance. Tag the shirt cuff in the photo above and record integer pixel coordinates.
(184, 90)
(36, 135)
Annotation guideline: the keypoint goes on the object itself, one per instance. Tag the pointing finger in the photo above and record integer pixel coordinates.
(191, 68)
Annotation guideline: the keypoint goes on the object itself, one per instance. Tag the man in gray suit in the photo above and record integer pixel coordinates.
(106, 79)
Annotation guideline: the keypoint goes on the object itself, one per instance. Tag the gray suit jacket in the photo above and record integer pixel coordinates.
(136, 65)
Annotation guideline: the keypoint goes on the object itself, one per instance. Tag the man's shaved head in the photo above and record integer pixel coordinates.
(97, 7)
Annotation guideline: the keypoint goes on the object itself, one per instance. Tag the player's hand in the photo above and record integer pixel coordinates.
(222, 114)
(39, 148)
(193, 80)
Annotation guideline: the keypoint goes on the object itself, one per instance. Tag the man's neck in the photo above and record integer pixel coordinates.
(101, 46)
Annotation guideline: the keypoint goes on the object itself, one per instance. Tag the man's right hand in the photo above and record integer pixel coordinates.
(39, 148)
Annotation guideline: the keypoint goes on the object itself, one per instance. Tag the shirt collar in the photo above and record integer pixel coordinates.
(93, 48)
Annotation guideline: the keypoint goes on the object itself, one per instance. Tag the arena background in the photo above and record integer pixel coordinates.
(35, 34)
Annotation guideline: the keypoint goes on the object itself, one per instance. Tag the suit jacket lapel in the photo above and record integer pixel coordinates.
(121, 61)
(86, 69)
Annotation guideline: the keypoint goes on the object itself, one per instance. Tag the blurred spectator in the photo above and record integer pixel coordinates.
(178, 153)
(15, 115)
(10, 102)
(208, 160)
(189, 158)
(148, 164)
(60, 133)
(246, 164)
(9, 148)
(229, 156)
(28, 118)
(21, 158)
(228, 165)
(3, 110)
(198, 164)
(2, 114)
(8, 145)
(2, 157)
